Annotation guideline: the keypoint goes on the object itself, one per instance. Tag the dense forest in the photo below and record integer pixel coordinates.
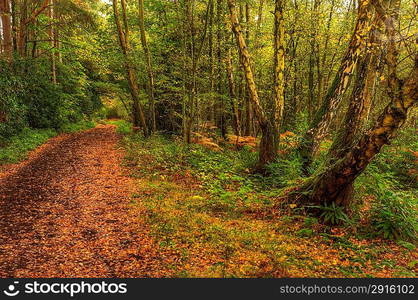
(258, 138)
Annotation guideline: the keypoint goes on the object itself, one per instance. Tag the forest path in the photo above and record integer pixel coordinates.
(65, 212)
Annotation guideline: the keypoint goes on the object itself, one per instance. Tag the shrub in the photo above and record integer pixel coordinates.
(394, 216)
(332, 214)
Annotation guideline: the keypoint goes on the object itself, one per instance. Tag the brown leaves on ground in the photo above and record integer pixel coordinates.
(65, 212)
(206, 142)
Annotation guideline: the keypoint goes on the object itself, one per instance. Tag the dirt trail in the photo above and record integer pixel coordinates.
(65, 212)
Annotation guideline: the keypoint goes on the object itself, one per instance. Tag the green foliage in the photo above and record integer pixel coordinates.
(28, 98)
(12, 110)
(394, 216)
(122, 127)
(406, 245)
(305, 232)
(18, 146)
(285, 171)
(74, 127)
(399, 160)
(332, 214)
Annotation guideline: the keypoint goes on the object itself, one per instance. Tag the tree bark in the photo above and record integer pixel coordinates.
(332, 184)
(22, 31)
(51, 35)
(326, 113)
(268, 146)
(137, 109)
(7, 28)
(279, 63)
(232, 94)
(151, 88)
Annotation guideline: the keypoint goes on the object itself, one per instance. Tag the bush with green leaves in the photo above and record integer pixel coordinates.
(394, 216)
(285, 170)
(28, 97)
(332, 214)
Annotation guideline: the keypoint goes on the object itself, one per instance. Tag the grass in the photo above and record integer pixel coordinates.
(122, 126)
(17, 147)
(221, 221)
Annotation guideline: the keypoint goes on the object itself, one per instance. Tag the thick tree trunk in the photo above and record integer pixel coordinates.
(137, 109)
(331, 185)
(326, 113)
(7, 28)
(151, 88)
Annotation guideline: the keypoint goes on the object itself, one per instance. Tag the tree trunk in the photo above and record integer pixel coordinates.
(211, 64)
(332, 184)
(7, 28)
(151, 88)
(326, 113)
(25, 20)
(137, 109)
(268, 146)
(221, 105)
(232, 94)
(279, 53)
(51, 36)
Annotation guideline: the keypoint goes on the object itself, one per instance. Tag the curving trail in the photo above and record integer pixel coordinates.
(65, 212)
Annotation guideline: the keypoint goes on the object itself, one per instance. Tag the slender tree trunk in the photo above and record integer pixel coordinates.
(137, 109)
(279, 63)
(245, 94)
(232, 94)
(221, 111)
(51, 36)
(268, 147)
(25, 20)
(291, 105)
(151, 88)
(211, 64)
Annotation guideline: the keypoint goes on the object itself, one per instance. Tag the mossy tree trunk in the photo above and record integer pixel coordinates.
(333, 183)
(327, 111)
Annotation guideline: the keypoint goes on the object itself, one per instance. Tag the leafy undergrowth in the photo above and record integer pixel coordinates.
(17, 147)
(224, 222)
